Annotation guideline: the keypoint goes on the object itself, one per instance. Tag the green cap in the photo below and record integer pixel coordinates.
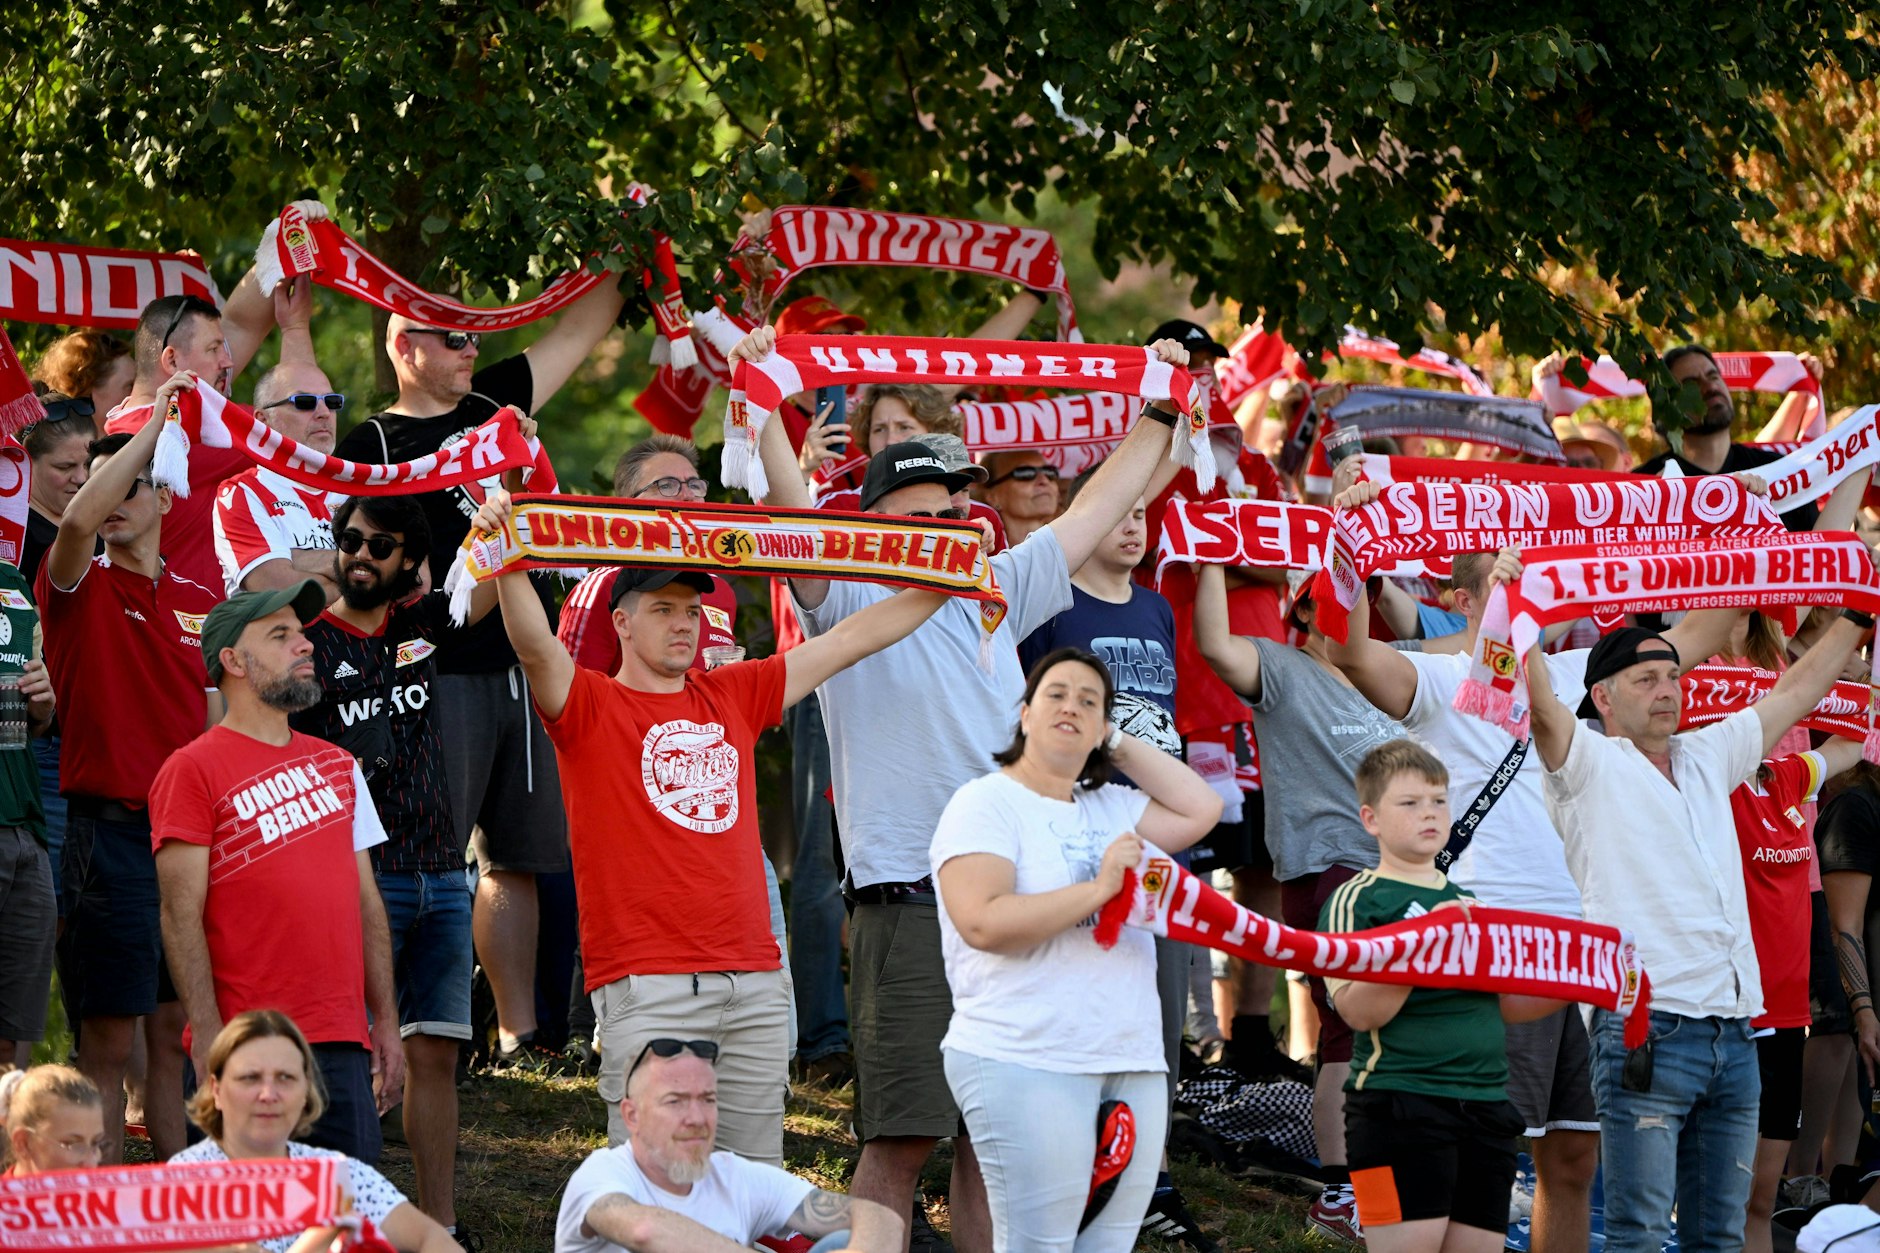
(226, 622)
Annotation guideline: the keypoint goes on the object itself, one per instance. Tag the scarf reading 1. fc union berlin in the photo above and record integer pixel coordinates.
(1481, 949)
(802, 363)
(204, 416)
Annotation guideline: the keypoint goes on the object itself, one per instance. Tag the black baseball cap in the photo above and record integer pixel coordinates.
(1622, 650)
(652, 578)
(1189, 335)
(899, 465)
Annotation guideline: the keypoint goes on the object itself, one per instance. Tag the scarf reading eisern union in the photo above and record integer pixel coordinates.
(206, 417)
(70, 285)
(1482, 950)
(802, 363)
(177, 1206)
(1712, 692)
(1273, 533)
(1415, 521)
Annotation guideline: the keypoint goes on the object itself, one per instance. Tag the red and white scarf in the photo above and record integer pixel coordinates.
(1272, 533)
(174, 1206)
(1260, 357)
(19, 409)
(1381, 470)
(801, 363)
(70, 285)
(1257, 359)
(1560, 583)
(205, 417)
(1819, 466)
(1423, 520)
(805, 237)
(1484, 949)
(1516, 427)
(1075, 432)
(1712, 692)
(1776, 372)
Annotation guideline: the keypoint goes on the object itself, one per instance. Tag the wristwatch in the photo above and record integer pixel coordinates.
(1862, 620)
(1160, 415)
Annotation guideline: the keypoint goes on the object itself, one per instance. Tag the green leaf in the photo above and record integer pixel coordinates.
(1404, 90)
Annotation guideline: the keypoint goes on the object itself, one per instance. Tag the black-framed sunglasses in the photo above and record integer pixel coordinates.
(69, 407)
(1025, 474)
(135, 484)
(380, 545)
(665, 1046)
(955, 514)
(456, 341)
(188, 305)
(307, 402)
(672, 488)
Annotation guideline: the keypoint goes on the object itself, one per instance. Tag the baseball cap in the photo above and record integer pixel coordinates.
(952, 450)
(899, 465)
(814, 315)
(1189, 335)
(1623, 649)
(226, 622)
(651, 579)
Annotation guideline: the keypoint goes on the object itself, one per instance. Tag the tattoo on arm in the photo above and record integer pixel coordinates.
(822, 1213)
(1851, 952)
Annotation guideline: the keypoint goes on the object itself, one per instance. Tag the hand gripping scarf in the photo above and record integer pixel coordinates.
(1818, 467)
(1712, 692)
(183, 1206)
(802, 363)
(1484, 949)
(1561, 583)
(1776, 372)
(1423, 520)
(205, 417)
(71, 285)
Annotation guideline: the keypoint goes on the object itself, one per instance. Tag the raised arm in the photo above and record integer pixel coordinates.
(246, 320)
(1552, 723)
(1701, 635)
(872, 1228)
(1235, 659)
(549, 668)
(104, 491)
(859, 635)
(1182, 806)
(648, 1229)
(561, 350)
(788, 490)
(1382, 674)
(1804, 684)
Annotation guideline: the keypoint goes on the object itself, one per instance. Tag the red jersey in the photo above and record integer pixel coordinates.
(668, 867)
(1772, 832)
(283, 825)
(188, 539)
(115, 643)
(261, 516)
(587, 622)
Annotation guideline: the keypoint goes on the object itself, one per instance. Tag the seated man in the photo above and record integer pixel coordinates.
(666, 1189)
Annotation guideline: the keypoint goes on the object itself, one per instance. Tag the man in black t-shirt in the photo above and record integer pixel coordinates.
(505, 793)
(374, 651)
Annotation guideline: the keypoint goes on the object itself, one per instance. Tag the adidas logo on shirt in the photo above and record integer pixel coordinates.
(345, 670)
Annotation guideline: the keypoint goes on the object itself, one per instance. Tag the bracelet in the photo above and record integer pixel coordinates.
(1115, 739)
(1044, 297)
(1862, 620)
(1160, 415)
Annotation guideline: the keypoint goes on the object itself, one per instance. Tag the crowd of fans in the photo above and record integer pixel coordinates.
(280, 811)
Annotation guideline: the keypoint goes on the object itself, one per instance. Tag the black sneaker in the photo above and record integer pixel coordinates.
(1255, 1062)
(922, 1238)
(1168, 1218)
(524, 1058)
(467, 1240)
(581, 1057)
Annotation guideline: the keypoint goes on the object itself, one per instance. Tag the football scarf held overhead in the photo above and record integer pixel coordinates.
(1712, 692)
(204, 416)
(1517, 427)
(1422, 520)
(185, 1206)
(1771, 372)
(1818, 467)
(1271, 533)
(801, 363)
(71, 285)
(1481, 950)
(1385, 470)
(1075, 432)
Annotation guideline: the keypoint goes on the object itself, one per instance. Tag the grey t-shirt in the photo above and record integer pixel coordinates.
(1314, 730)
(911, 725)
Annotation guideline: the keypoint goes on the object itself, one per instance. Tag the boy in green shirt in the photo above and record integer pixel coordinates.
(1429, 1131)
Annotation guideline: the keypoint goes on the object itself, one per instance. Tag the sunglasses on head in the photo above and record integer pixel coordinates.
(672, 488)
(955, 514)
(307, 402)
(1025, 474)
(706, 1050)
(70, 407)
(380, 546)
(456, 341)
(189, 305)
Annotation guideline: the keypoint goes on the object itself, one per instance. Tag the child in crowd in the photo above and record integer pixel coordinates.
(53, 1119)
(1429, 1131)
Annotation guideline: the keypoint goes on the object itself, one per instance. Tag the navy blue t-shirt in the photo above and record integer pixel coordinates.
(1137, 643)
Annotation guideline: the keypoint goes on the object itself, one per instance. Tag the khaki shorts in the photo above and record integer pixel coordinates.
(899, 1009)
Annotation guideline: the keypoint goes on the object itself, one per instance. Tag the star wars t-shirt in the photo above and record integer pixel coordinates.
(1137, 644)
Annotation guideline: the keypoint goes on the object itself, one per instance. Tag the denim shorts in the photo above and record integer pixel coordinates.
(429, 915)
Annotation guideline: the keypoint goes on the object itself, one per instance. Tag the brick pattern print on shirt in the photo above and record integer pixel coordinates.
(270, 810)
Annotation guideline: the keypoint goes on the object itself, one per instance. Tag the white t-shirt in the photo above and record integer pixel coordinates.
(1066, 1005)
(372, 1193)
(1516, 859)
(1663, 861)
(912, 723)
(739, 1200)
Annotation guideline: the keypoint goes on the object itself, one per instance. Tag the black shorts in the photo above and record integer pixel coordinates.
(1827, 999)
(1235, 845)
(1417, 1157)
(110, 955)
(1779, 1057)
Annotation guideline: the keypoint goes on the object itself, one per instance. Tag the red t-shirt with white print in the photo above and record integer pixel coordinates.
(1772, 831)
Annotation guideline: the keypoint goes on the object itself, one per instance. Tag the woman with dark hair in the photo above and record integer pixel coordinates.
(1048, 1028)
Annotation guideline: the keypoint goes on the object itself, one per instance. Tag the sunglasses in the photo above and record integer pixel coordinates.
(955, 514)
(135, 484)
(456, 341)
(380, 546)
(672, 488)
(1025, 474)
(70, 407)
(307, 402)
(190, 304)
(706, 1050)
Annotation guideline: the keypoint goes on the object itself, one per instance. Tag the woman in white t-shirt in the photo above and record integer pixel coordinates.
(261, 1091)
(1047, 1027)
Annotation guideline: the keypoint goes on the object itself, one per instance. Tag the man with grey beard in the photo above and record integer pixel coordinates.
(268, 897)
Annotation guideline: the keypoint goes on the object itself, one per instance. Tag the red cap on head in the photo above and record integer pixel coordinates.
(814, 315)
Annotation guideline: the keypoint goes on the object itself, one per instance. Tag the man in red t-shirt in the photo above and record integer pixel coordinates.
(673, 920)
(269, 530)
(123, 652)
(269, 901)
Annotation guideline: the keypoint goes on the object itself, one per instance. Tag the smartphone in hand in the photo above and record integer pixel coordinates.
(836, 400)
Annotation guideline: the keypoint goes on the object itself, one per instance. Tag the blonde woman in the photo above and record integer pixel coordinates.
(53, 1119)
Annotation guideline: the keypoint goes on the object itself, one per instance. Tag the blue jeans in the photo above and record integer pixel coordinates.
(429, 918)
(46, 753)
(816, 913)
(1689, 1142)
